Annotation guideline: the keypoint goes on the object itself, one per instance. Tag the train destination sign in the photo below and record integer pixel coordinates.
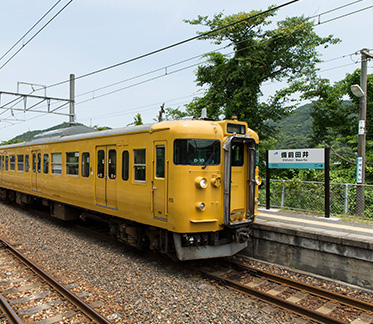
(309, 158)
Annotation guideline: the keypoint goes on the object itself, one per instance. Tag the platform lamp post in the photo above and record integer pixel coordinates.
(361, 92)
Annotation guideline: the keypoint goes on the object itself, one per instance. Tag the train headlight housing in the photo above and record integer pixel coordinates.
(201, 182)
(201, 206)
(258, 181)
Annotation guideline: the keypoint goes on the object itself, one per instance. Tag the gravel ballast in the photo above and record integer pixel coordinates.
(133, 288)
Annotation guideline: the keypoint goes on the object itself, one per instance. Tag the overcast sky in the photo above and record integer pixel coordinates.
(93, 34)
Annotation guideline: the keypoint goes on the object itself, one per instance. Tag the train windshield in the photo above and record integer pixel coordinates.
(197, 152)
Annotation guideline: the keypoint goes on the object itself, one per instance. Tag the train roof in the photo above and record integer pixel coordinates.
(84, 132)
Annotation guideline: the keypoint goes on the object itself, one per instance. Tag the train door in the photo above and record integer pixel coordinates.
(36, 168)
(239, 183)
(106, 175)
(159, 181)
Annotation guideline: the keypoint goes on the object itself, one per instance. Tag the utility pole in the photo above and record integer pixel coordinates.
(72, 100)
(361, 92)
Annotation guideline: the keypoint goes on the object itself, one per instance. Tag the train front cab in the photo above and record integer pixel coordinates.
(236, 209)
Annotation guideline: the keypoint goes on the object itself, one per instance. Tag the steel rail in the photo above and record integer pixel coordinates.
(9, 312)
(274, 300)
(319, 292)
(82, 306)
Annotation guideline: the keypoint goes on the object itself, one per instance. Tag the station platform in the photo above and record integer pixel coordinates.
(329, 247)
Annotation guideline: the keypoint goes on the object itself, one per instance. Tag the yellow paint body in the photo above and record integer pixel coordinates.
(168, 201)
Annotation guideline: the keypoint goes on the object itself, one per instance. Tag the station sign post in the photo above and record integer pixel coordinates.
(308, 158)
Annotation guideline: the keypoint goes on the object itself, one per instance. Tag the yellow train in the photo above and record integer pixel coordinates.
(187, 187)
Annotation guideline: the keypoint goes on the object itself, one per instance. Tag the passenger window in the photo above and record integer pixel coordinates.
(27, 163)
(85, 165)
(34, 162)
(12, 160)
(56, 163)
(160, 161)
(39, 162)
(46, 163)
(125, 165)
(112, 164)
(72, 163)
(100, 164)
(6, 162)
(140, 164)
(20, 163)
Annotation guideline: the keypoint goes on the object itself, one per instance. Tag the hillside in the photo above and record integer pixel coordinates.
(295, 129)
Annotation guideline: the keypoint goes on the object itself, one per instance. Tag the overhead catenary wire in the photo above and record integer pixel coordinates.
(37, 33)
(196, 37)
(25, 34)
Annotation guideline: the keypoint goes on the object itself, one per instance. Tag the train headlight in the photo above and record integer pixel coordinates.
(200, 206)
(258, 181)
(201, 182)
(216, 182)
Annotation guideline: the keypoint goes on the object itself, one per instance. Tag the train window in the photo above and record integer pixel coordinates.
(140, 164)
(27, 163)
(12, 160)
(46, 163)
(237, 154)
(197, 152)
(125, 165)
(160, 161)
(39, 162)
(34, 162)
(236, 129)
(20, 162)
(101, 164)
(85, 165)
(112, 164)
(6, 162)
(72, 163)
(56, 160)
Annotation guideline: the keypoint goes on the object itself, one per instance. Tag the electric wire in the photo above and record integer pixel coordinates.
(24, 35)
(45, 25)
(193, 38)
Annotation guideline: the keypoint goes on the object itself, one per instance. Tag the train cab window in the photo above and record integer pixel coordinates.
(140, 165)
(112, 164)
(160, 161)
(56, 160)
(46, 163)
(125, 165)
(237, 154)
(12, 160)
(6, 162)
(20, 162)
(85, 165)
(197, 152)
(39, 162)
(27, 163)
(72, 163)
(101, 164)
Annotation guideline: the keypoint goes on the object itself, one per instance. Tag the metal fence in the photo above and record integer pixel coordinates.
(309, 196)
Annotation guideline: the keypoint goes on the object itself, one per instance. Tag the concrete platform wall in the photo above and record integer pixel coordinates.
(346, 258)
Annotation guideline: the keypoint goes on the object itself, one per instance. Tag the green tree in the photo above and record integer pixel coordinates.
(335, 121)
(137, 120)
(233, 83)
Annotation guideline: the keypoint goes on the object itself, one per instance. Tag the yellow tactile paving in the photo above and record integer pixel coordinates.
(331, 225)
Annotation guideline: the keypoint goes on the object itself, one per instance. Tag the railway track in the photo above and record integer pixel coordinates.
(309, 302)
(30, 295)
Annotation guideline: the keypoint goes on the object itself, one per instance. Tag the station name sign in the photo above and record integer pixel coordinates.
(310, 158)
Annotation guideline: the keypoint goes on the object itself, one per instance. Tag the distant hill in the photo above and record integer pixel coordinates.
(295, 129)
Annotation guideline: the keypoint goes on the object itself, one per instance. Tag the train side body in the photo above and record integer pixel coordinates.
(189, 187)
